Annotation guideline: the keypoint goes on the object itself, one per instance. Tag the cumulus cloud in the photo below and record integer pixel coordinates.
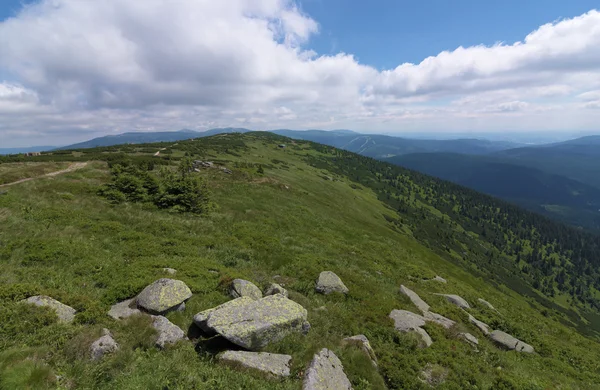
(75, 68)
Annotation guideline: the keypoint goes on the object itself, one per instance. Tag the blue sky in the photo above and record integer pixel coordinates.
(72, 69)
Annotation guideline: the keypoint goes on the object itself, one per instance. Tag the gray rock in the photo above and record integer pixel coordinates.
(201, 318)
(486, 303)
(363, 342)
(168, 333)
(469, 338)
(456, 300)
(163, 295)
(254, 324)
(244, 288)
(480, 325)
(415, 299)
(406, 321)
(170, 271)
(103, 346)
(509, 342)
(439, 279)
(124, 309)
(329, 282)
(269, 363)
(275, 288)
(63, 312)
(325, 372)
(438, 319)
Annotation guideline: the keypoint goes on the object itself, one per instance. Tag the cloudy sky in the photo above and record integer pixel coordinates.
(75, 69)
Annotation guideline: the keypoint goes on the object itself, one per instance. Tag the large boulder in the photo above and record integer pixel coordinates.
(275, 288)
(63, 312)
(415, 299)
(124, 309)
(201, 318)
(244, 288)
(406, 321)
(163, 295)
(325, 372)
(509, 342)
(329, 282)
(254, 324)
(480, 325)
(269, 363)
(363, 343)
(456, 300)
(103, 346)
(168, 333)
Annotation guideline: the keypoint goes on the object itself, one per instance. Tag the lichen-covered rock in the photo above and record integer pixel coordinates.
(438, 319)
(415, 299)
(406, 321)
(275, 288)
(456, 300)
(163, 295)
(244, 288)
(509, 342)
(124, 309)
(103, 346)
(325, 372)
(363, 342)
(486, 303)
(63, 312)
(269, 363)
(480, 325)
(201, 318)
(469, 338)
(168, 332)
(329, 282)
(254, 324)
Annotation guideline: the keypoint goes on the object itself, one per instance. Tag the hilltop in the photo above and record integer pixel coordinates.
(277, 209)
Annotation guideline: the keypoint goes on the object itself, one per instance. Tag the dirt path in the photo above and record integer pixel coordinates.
(71, 168)
(158, 153)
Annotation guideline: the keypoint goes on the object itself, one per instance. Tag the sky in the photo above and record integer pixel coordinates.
(71, 70)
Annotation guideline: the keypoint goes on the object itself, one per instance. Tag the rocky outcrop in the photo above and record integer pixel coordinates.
(103, 346)
(253, 324)
(406, 321)
(509, 342)
(456, 300)
(468, 337)
(325, 372)
(480, 325)
(268, 363)
(124, 309)
(438, 319)
(275, 288)
(244, 288)
(329, 282)
(168, 333)
(163, 296)
(415, 299)
(63, 312)
(363, 343)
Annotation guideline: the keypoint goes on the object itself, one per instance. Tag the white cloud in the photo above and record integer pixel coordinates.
(82, 67)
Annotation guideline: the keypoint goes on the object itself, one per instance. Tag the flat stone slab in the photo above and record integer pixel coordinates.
(363, 342)
(269, 363)
(254, 324)
(329, 282)
(275, 288)
(63, 312)
(480, 325)
(103, 346)
(325, 372)
(201, 318)
(415, 298)
(509, 342)
(244, 288)
(124, 309)
(163, 295)
(168, 332)
(438, 319)
(456, 300)
(406, 321)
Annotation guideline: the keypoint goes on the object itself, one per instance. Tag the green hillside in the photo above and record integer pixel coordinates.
(285, 214)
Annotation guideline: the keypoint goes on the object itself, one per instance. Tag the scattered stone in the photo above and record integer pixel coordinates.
(227, 170)
(469, 338)
(254, 324)
(480, 325)
(275, 288)
(486, 303)
(406, 321)
(329, 282)
(438, 319)
(434, 375)
(63, 312)
(170, 271)
(244, 288)
(456, 300)
(124, 309)
(363, 342)
(325, 372)
(103, 346)
(163, 295)
(168, 333)
(415, 299)
(509, 342)
(439, 279)
(270, 363)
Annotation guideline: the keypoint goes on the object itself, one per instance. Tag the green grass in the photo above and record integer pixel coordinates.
(60, 239)
(16, 171)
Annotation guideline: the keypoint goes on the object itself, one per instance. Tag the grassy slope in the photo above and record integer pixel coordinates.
(60, 239)
(17, 171)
